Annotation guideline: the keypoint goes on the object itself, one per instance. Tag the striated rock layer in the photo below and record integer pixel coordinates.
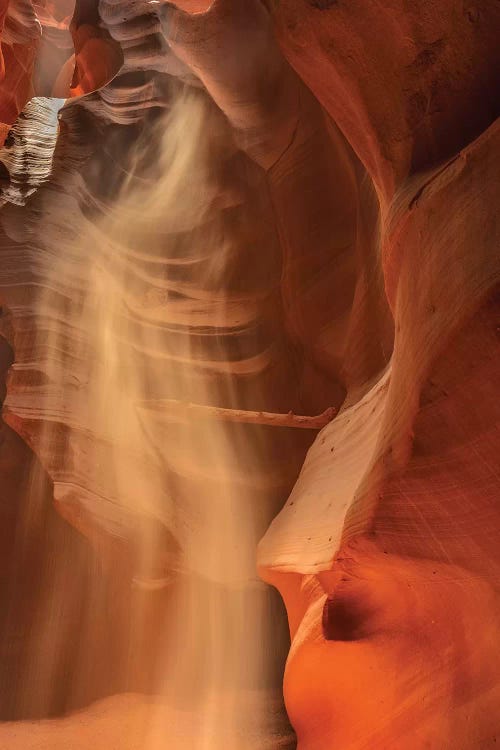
(115, 313)
(338, 248)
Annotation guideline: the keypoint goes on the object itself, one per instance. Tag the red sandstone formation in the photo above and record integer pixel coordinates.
(352, 177)
(51, 49)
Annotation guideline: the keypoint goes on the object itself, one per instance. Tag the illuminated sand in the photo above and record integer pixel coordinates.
(132, 722)
(165, 498)
(338, 248)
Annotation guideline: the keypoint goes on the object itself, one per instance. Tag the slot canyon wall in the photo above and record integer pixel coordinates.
(249, 266)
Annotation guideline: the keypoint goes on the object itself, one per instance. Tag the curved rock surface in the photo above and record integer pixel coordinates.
(338, 248)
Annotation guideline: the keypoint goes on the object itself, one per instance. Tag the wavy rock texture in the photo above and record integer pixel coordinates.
(352, 185)
(28, 152)
(195, 332)
(51, 48)
(403, 484)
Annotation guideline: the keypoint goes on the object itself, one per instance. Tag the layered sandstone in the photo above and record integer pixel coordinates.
(350, 183)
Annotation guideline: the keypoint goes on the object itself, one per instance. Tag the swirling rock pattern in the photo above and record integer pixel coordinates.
(361, 272)
(175, 310)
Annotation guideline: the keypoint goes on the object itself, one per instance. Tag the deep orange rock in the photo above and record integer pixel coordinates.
(37, 59)
(371, 286)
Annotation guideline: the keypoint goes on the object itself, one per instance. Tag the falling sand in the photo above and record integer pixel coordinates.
(172, 486)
